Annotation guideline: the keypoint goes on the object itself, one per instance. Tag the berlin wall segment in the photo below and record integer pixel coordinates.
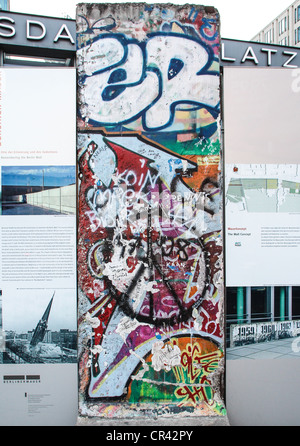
(150, 244)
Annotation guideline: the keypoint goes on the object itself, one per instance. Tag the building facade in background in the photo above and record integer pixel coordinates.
(5, 5)
(284, 29)
(149, 242)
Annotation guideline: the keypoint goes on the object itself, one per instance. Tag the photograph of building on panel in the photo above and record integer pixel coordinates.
(35, 190)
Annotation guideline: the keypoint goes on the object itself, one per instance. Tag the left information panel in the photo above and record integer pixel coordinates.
(38, 322)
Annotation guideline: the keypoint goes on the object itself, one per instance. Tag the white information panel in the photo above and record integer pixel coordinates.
(262, 176)
(38, 322)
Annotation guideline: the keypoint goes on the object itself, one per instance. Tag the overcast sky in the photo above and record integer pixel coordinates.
(239, 19)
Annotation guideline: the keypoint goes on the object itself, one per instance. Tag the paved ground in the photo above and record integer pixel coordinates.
(281, 348)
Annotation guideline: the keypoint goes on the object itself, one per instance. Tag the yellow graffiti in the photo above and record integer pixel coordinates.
(193, 374)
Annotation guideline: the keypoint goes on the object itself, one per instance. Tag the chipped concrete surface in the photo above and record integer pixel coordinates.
(139, 422)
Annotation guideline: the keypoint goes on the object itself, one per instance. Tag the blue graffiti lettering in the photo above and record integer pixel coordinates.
(124, 80)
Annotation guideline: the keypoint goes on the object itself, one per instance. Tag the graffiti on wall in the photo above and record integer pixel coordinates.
(150, 266)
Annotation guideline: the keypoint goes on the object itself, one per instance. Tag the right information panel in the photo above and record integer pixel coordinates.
(262, 176)
(262, 211)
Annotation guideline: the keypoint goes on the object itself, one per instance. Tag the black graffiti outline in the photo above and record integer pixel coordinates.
(123, 299)
(184, 315)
